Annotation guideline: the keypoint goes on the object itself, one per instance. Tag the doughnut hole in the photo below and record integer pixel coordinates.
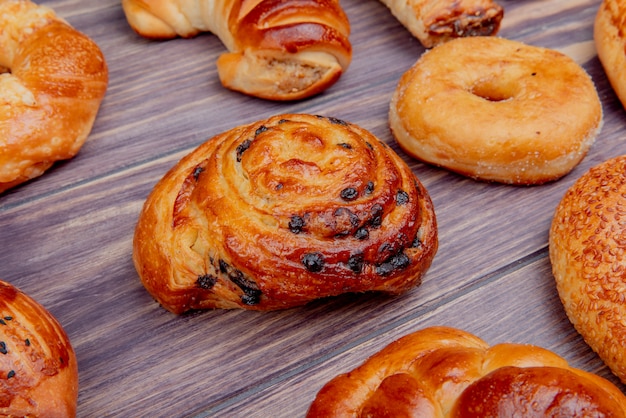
(494, 90)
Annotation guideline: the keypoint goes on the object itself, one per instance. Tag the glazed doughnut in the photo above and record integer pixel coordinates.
(610, 40)
(587, 243)
(282, 211)
(52, 80)
(447, 372)
(496, 110)
(38, 369)
(433, 22)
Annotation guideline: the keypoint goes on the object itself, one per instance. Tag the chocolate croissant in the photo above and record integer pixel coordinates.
(442, 372)
(38, 368)
(277, 50)
(282, 211)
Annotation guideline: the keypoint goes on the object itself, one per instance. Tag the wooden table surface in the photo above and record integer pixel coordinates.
(66, 238)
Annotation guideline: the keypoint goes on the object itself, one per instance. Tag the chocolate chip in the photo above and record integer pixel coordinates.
(314, 262)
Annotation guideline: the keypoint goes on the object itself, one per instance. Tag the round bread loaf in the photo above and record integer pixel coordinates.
(497, 110)
(282, 211)
(38, 368)
(609, 38)
(587, 247)
(446, 372)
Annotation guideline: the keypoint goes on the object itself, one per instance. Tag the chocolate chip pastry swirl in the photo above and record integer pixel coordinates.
(282, 211)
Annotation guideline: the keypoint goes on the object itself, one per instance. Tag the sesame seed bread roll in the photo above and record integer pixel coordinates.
(587, 246)
(282, 211)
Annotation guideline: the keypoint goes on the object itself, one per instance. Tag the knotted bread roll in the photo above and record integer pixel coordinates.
(282, 211)
(52, 81)
(278, 50)
(38, 368)
(446, 372)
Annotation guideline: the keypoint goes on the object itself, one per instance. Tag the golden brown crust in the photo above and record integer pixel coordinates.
(496, 110)
(50, 98)
(38, 368)
(283, 211)
(277, 50)
(446, 372)
(434, 22)
(586, 250)
(610, 42)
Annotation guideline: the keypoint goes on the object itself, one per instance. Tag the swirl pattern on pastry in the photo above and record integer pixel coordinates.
(445, 372)
(282, 211)
(38, 368)
(53, 82)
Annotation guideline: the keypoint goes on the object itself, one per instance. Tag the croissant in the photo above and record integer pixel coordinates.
(279, 212)
(52, 81)
(447, 372)
(38, 369)
(277, 50)
(434, 22)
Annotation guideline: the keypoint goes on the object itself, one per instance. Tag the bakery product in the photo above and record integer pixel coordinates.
(610, 40)
(38, 368)
(433, 22)
(447, 372)
(587, 255)
(279, 212)
(496, 110)
(52, 80)
(277, 50)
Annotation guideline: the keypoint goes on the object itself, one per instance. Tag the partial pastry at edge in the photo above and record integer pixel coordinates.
(610, 41)
(434, 22)
(52, 81)
(277, 50)
(442, 372)
(587, 246)
(38, 367)
(277, 213)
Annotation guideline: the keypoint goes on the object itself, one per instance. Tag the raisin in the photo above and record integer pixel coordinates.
(402, 197)
(196, 172)
(206, 281)
(314, 262)
(296, 224)
(361, 234)
(377, 216)
(261, 129)
(243, 147)
(345, 145)
(337, 121)
(355, 263)
(369, 188)
(349, 194)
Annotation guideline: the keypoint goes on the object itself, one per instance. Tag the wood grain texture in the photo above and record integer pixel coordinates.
(65, 238)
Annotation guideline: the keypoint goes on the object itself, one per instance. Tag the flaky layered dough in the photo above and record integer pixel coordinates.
(282, 211)
(434, 22)
(446, 372)
(496, 110)
(38, 368)
(610, 41)
(277, 50)
(52, 81)
(587, 246)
